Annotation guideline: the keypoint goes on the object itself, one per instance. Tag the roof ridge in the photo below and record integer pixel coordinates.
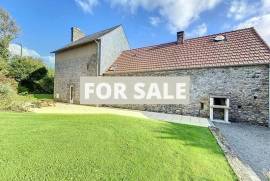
(232, 31)
(87, 39)
(188, 39)
(107, 29)
(152, 46)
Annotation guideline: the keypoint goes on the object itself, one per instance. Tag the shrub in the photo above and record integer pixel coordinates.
(22, 90)
(32, 75)
(21, 67)
(9, 81)
(31, 82)
(11, 101)
(7, 96)
(47, 82)
(3, 66)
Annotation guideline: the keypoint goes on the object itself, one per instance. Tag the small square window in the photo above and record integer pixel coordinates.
(202, 105)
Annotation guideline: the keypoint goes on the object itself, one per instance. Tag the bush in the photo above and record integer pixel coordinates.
(21, 67)
(11, 101)
(3, 66)
(6, 89)
(22, 90)
(31, 82)
(47, 82)
(32, 75)
(9, 81)
(8, 98)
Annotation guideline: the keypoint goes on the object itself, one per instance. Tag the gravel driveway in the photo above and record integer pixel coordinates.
(251, 143)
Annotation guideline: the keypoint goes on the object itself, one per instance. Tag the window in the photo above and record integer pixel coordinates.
(202, 106)
(220, 101)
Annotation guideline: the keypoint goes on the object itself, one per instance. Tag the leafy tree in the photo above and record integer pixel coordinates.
(8, 31)
(47, 82)
(31, 82)
(31, 74)
(21, 67)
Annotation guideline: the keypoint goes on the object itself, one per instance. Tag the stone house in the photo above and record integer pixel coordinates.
(85, 56)
(233, 64)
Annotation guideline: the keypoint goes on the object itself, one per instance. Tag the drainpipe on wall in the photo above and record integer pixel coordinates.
(98, 42)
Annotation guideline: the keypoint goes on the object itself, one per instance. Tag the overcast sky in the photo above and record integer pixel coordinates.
(45, 25)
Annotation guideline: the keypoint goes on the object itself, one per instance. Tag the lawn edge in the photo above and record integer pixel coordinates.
(243, 172)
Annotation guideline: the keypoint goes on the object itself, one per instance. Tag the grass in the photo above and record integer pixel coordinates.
(106, 147)
(35, 97)
(42, 96)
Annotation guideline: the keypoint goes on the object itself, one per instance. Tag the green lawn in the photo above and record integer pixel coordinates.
(42, 96)
(35, 97)
(106, 147)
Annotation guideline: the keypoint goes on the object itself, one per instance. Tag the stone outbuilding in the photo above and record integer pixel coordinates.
(232, 65)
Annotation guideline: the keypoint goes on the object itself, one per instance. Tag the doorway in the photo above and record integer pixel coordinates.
(71, 94)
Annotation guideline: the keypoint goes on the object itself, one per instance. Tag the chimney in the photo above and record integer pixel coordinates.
(180, 37)
(76, 34)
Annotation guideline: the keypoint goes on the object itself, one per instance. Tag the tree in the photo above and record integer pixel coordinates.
(31, 74)
(31, 84)
(47, 82)
(21, 67)
(8, 31)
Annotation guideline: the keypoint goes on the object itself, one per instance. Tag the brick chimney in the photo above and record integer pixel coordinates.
(76, 34)
(180, 37)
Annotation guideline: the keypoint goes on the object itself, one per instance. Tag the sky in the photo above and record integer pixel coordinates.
(45, 25)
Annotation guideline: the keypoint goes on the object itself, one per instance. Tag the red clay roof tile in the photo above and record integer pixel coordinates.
(241, 47)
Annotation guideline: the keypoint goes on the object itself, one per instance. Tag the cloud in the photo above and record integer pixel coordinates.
(87, 5)
(178, 14)
(154, 21)
(200, 30)
(261, 24)
(261, 21)
(240, 9)
(266, 6)
(15, 49)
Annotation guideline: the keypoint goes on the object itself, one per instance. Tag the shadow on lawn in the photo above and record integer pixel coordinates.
(192, 136)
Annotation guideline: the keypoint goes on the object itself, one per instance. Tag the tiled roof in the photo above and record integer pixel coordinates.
(240, 47)
(86, 39)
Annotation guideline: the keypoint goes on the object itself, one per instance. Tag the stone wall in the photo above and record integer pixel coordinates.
(70, 66)
(247, 87)
(76, 34)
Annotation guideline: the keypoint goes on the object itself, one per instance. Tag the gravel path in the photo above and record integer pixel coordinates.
(251, 143)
